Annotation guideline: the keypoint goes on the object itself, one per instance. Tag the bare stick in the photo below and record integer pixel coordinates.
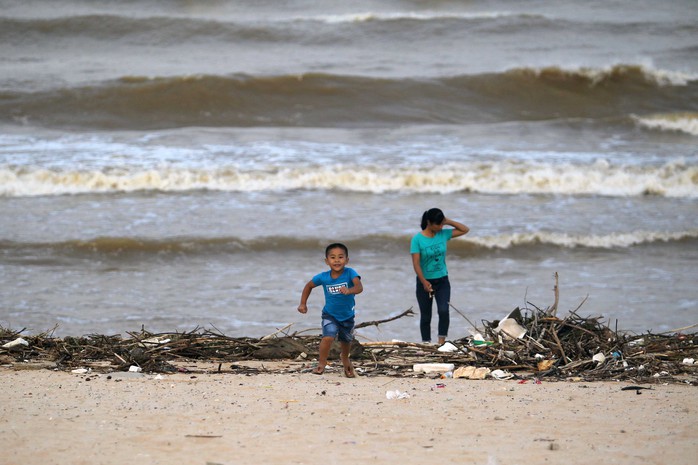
(407, 312)
(580, 304)
(553, 309)
(122, 360)
(395, 344)
(466, 318)
(677, 330)
(281, 330)
(559, 344)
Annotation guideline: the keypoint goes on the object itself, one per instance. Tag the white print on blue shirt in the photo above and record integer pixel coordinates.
(336, 288)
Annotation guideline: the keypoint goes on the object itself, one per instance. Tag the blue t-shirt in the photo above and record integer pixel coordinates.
(337, 304)
(432, 253)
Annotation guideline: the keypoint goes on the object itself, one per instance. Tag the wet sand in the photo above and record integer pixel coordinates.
(205, 417)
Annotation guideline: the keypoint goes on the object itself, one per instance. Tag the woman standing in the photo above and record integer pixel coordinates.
(428, 249)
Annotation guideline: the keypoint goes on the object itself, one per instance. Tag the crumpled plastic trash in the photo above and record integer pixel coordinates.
(470, 372)
(135, 369)
(510, 328)
(689, 361)
(433, 367)
(599, 358)
(544, 365)
(501, 374)
(16, 343)
(478, 340)
(535, 381)
(396, 394)
(448, 347)
(155, 340)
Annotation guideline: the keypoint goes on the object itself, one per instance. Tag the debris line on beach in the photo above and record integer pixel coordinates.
(529, 343)
(574, 347)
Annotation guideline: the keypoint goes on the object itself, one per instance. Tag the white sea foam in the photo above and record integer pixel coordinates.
(598, 74)
(609, 241)
(675, 122)
(675, 179)
(411, 15)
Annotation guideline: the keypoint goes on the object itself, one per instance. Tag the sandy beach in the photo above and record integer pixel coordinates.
(210, 417)
(172, 171)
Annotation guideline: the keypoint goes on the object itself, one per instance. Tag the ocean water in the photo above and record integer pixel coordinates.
(176, 164)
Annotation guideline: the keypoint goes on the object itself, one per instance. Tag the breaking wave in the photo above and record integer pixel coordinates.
(323, 100)
(130, 247)
(674, 179)
(671, 122)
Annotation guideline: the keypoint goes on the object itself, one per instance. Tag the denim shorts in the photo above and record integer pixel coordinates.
(341, 330)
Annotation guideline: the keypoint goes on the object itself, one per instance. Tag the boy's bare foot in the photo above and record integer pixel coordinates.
(318, 370)
(349, 371)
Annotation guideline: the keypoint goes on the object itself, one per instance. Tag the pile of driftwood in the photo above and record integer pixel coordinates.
(540, 346)
(530, 343)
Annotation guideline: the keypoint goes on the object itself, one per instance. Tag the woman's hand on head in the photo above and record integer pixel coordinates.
(460, 228)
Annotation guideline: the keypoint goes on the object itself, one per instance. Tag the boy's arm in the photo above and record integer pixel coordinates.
(358, 286)
(303, 307)
(357, 289)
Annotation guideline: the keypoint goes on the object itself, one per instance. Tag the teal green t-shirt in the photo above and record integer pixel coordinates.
(432, 253)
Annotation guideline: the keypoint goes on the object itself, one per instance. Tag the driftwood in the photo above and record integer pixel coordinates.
(556, 291)
(574, 347)
(407, 312)
(567, 345)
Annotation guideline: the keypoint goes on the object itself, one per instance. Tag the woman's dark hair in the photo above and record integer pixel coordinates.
(433, 216)
(336, 245)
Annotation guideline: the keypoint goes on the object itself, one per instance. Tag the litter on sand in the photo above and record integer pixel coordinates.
(396, 394)
(433, 367)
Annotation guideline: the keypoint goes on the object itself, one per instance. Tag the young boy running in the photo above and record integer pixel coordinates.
(340, 284)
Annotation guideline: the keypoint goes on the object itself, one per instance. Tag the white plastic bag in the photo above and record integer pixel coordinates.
(396, 394)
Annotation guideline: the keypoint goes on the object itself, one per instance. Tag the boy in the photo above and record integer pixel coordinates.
(340, 284)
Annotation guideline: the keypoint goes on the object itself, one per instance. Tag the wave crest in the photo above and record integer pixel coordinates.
(321, 100)
(610, 241)
(673, 122)
(133, 247)
(675, 179)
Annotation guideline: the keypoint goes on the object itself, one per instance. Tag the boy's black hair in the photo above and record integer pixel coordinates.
(336, 245)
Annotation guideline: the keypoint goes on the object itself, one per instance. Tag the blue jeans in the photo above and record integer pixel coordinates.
(442, 294)
(341, 330)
